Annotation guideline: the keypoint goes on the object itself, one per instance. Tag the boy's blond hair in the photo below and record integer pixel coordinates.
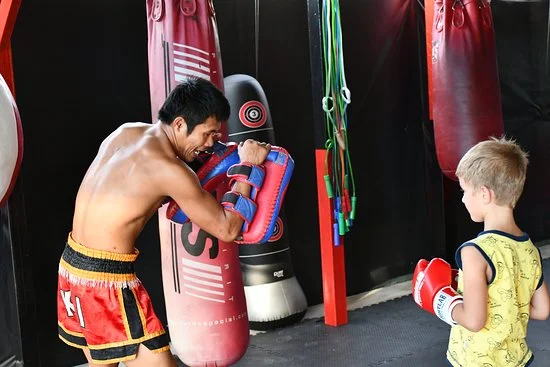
(498, 164)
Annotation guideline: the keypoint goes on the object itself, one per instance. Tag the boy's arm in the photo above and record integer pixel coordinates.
(540, 304)
(472, 314)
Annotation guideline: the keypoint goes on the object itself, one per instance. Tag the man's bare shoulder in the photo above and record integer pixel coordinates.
(171, 174)
(121, 134)
(147, 148)
(161, 161)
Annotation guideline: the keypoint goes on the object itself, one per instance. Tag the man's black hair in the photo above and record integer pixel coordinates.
(195, 100)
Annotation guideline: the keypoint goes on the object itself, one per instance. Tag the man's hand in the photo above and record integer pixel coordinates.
(253, 152)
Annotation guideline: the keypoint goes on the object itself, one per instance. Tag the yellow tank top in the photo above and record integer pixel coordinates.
(517, 273)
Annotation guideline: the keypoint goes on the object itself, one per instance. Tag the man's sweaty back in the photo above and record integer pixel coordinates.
(115, 199)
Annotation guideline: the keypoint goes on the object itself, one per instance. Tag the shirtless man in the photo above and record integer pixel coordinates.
(102, 307)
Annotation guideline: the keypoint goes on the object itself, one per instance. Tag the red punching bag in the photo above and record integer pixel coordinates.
(183, 42)
(203, 288)
(466, 90)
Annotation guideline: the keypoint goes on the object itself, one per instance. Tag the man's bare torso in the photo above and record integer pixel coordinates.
(117, 195)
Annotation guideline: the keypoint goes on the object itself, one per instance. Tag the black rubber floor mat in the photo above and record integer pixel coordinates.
(396, 333)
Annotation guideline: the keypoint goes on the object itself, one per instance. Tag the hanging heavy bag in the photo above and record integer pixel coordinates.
(466, 90)
(203, 287)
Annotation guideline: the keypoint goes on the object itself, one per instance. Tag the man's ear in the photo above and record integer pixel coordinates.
(180, 125)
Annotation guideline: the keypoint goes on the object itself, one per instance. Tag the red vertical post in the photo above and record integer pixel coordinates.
(8, 13)
(6, 67)
(332, 257)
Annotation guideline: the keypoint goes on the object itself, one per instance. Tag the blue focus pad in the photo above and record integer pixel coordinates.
(214, 170)
(175, 214)
(241, 205)
(251, 174)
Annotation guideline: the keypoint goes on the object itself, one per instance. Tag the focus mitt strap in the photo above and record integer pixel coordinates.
(210, 174)
(251, 174)
(240, 205)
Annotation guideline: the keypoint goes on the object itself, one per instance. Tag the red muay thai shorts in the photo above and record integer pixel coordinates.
(102, 305)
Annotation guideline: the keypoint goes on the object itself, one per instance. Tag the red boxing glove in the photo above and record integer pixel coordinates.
(431, 288)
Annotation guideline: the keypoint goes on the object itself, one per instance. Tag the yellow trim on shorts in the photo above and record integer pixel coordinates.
(129, 341)
(101, 254)
(159, 350)
(129, 357)
(71, 343)
(94, 275)
(114, 360)
(141, 314)
(73, 333)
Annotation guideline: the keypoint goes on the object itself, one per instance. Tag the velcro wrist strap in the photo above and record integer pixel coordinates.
(249, 173)
(444, 302)
(241, 205)
(457, 301)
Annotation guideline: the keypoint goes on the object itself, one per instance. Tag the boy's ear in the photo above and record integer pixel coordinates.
(487, 194)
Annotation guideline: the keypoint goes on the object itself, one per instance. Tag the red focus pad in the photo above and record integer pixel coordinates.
(466, 90)
(11, 149)
(214, 170)
(211, 174)
(279, 166)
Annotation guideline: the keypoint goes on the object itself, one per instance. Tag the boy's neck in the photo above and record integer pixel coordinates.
(501, 218)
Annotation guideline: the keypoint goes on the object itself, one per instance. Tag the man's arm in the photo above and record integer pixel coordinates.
(540, 303)
(472, 314)
(183, 186)
(180, 183)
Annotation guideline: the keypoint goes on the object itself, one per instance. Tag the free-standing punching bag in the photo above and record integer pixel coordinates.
(203, 287)
(11, 152)
(274, 297)
(466, 91)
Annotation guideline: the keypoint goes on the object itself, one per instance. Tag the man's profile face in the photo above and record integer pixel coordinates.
(202, 138)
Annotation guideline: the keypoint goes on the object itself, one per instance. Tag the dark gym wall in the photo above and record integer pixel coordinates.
(521, 31)
(524, 67)
(399, 199)
(80, 70)
(80, 73)
(283, 72)
(10, 338)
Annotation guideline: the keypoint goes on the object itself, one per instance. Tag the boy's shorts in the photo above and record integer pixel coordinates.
(102, 305)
